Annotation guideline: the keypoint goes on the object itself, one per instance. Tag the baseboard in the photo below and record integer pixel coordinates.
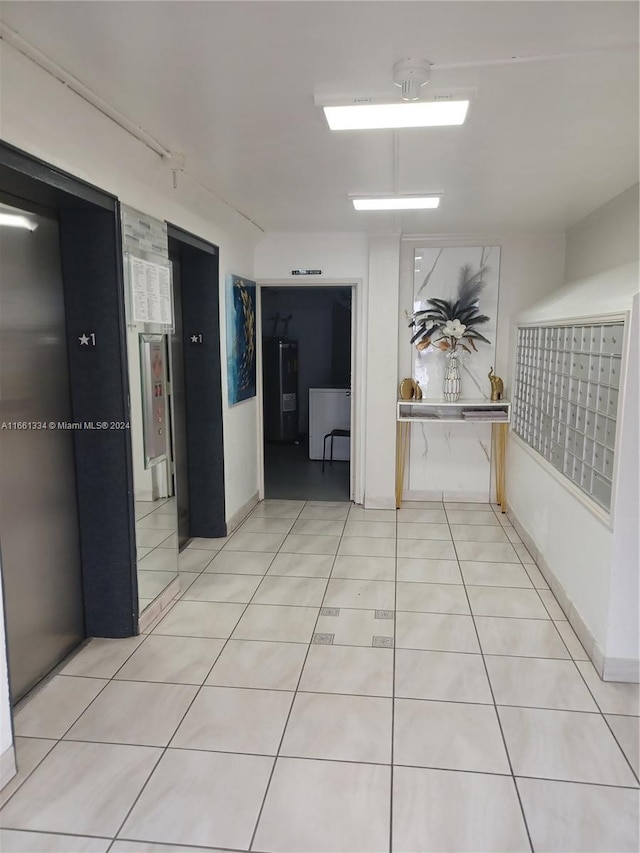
(161, 603)
(621, 669)
(238, 517)
(608, 668)
(8, 766)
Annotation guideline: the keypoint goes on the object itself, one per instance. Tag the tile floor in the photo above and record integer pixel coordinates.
(335, 679)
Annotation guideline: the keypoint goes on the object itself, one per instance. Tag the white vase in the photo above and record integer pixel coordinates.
(451, 388)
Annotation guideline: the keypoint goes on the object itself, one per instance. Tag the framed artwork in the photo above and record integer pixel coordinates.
(241, 338)
(436, 274)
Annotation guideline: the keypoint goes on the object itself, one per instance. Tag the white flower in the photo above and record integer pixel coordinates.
(454, 329)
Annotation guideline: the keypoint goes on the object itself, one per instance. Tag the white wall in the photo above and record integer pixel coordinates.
(39, 115)
(531, 266)
(606, 238)
(594, 562)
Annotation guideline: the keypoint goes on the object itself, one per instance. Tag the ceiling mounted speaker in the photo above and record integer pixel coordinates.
(411, 75)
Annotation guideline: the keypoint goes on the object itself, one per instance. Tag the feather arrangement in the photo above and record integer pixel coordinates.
(447, 323)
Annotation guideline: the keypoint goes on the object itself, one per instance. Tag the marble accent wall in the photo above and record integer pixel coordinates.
(453, 461)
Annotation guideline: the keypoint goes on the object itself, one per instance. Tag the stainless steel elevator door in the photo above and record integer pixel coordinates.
(39, 538)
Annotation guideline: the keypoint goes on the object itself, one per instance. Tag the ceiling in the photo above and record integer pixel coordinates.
(232, 85)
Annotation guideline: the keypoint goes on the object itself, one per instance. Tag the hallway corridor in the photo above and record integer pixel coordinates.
(335, 679)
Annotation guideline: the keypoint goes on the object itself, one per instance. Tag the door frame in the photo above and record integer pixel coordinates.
(358, 374)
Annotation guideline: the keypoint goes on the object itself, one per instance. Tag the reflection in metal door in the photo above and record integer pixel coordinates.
(181, 476)
(39, 539)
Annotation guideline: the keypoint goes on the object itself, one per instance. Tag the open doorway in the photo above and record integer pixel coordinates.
(306, 376)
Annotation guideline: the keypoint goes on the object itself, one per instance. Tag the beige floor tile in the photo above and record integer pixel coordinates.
(428, 571)
(29, 752)
(565, 745)
(472, 517)
(348, 669)
(230, 719)
(437, 810)
(269, 666)
(134, 712)
(411, 530)
(436, 632)
(338, 806)
(150, 847)
(467, 506)
(101, 658)
(302, 565)
(49, 712)
(562, 816)
(364, 546)
(432, 598)
(627, 732)
(282, 623)
(160, 560)
(177, 660)
(365, 594)
(151, 584)
(490, 552)
(186, 579)
(356, 627)
(502, 601)
(613, 697)
(200, 619)
(536, 638)
(449, 736)
(267, 542)
(339, 727)
(278, 509)
(371, 529)
(81, 788)
(441, 675)
(358, 513)
(13, 841)
(536, 577)
(552, 606)
(256, 524)
(538, 683)
(218, 807)
(213, 586)
(317, 527)
(365, 568)
(301, 543)
(495, 574)
(422, 516)
(151, 538)
(478, 533)
(325, 513)
(571, 640)
(202, 544)
(426, 549)
(240, 563)
(304, 592)
(523, 554)
(194, 560)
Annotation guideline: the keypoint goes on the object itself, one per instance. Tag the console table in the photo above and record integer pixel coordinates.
(498, 414)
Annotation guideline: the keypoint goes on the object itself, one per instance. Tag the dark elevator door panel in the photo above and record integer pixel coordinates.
(39, 539)
(180, 460)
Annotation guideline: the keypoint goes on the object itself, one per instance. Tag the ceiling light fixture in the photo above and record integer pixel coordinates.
(369, 116)
(16, 220)
(397, 202)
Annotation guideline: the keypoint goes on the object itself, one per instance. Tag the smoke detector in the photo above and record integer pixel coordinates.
(411, 75)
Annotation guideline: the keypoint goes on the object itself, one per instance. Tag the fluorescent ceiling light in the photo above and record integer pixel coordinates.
(415, 114)
(397, 202)
(15, 220)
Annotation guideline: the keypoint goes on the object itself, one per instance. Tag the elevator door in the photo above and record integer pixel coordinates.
(39, 539)
(178, 397)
